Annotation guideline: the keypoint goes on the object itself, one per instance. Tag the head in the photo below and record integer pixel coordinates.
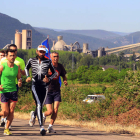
(55, 57)
(41, 50)
(13, 47)
(2, 54)
(10, 55)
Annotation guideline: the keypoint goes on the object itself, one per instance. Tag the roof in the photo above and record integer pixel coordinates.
(59, 45)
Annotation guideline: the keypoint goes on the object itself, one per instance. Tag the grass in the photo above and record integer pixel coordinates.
(119, 113)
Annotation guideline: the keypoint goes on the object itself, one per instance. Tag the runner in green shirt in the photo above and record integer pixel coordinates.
(19, 62)
(9, 71)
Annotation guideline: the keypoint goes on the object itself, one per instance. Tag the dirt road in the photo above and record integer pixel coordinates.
(22, 131)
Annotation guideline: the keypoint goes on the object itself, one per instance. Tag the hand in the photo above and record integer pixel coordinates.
(1, 88)
(19, 83)
(46, 79)
(49, 72)
(65, 83)
(28, 79)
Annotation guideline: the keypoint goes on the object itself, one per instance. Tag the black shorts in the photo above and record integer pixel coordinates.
(17, 87)
(12, 96)
(52, 97)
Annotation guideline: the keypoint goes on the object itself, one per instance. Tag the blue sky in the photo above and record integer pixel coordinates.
(111, 15)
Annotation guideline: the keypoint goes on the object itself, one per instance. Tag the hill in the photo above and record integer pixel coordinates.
(126, 40)
(101, 34)
(94, 43)
(8, 25)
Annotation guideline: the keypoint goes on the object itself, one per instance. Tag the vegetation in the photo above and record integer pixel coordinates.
(121, 89)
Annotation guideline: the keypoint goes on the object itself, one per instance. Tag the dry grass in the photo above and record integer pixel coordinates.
(116, 128)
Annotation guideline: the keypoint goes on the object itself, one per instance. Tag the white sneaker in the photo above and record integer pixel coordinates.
(51, 130)
(42, 131)
(32, 119)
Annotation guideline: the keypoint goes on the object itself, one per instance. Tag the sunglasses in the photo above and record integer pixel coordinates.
(14, 49)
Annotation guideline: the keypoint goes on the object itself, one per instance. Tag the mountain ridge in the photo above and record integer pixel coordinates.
(8, 26)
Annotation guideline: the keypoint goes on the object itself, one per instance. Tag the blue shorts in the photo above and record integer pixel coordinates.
(9, 96)
(52, 97)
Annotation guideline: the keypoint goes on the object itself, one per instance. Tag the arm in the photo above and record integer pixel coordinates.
(23, 72)
(65, 80)
(19, 77)
(28, 66)
(22, 67)
(52, 70)
(1, 69)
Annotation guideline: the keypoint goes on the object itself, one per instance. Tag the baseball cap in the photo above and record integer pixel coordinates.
(41, 48)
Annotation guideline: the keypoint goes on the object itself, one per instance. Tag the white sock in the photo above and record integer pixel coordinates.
(50, 125)
(44, 116)
(2, 119)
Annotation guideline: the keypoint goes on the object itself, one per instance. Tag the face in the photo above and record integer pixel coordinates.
(11, 57)
(2, 55)
(40, 54)
(14, 48)
(54, 57)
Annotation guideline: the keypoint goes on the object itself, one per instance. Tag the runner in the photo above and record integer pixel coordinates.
(2, 54)
(9, 71)
(54, 95)
(40, 81)
(19, 62)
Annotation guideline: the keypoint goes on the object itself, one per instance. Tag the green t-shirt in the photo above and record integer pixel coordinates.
(18, 61)
(8, 77)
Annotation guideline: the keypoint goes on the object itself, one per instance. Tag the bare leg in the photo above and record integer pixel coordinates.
(11, 114)
(55, 110)
(5, 109)
(49, 110)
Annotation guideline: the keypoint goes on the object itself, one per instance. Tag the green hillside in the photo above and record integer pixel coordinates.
(8, 25)
(94, 43)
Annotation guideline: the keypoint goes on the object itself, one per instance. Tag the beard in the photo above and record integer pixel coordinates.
(40, 57)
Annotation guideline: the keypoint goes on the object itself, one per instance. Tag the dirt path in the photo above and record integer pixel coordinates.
(22, 131)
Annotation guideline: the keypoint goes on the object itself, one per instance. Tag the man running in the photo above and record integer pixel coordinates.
(54, 96)
(40, 81)
(2, 54)
(9, 72)
(19, 62)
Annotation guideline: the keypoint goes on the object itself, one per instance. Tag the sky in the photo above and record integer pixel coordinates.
(109, 15)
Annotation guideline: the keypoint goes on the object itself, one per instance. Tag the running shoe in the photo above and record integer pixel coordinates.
(42, 131)
(51, 130)
(7, 132)
(2, 122)
(32, 119)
